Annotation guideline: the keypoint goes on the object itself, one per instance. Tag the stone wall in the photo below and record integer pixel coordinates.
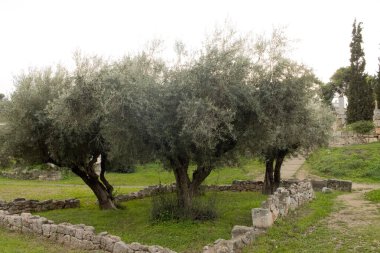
(237, 185)
(277, 205)
(22, 205)
(73, 236)
(25, 174)
(334, 184)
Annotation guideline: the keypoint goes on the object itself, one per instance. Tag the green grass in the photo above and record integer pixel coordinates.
(12, 242)
(301, 231)
(373, 196)
(42, 190)
(133, 223)
(359, 163)
(153, 174)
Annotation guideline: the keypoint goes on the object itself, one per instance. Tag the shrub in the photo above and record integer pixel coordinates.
(165, 207)
(362, 127)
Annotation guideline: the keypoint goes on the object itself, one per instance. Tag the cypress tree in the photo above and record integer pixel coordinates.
(377, 86)
(360, 92)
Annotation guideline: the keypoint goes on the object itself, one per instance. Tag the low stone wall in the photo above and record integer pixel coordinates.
(146, 192)
(237, 185)
(277, 205)
(334, 184)
(73, 236)
(24, 174)
(22, 205)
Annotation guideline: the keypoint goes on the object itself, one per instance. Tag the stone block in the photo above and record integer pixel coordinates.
(46, 230)
(339, 185)
(79, 233)
(262, 218)
(240, 230)
(318, 184)
(121, 247)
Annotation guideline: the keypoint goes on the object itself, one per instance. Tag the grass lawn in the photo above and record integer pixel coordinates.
(153, 174)
(360, 163)
(133, 222)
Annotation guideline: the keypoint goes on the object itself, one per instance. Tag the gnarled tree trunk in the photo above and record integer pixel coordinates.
(188, 189)
(199, 175)
(268, 187)
(277, 168)
(183, 187)
(101, 188)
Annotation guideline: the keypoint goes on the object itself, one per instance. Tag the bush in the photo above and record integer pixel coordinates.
(362, 127)
(114, 166)
(165, 207)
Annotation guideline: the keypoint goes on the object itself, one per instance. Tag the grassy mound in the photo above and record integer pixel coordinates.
(357, 162)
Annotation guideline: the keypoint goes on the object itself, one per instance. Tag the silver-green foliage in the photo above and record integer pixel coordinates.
(25, 114)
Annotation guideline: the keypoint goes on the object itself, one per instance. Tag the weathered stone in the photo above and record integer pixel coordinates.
(240, 230)
(79, 233)
(261, 218)
(76, 243)
(339, 185)
(46, 230)
(121, 247)
(107, 243)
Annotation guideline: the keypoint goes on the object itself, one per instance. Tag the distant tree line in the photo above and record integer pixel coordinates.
(231, 97)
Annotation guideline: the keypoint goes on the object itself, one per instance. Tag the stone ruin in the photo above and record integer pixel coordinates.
(237, 186)
(21, 205)
(277, 205)
(73, 236)
(341, 137)
(334, 184)
(34, 174)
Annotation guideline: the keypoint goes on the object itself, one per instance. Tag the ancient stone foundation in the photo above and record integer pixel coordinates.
(73, 236)
(22, 205)
(334, 184)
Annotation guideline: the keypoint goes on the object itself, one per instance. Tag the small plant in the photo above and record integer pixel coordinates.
(165, 207)
(362, 128)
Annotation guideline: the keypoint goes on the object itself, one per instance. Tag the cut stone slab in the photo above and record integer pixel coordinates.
(262, 218)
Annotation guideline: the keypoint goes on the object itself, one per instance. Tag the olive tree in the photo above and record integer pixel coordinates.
(75, 139)
(291, 117)
(27, 120)
(56, 117)
(202, 111)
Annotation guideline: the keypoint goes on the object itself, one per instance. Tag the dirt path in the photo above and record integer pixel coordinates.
(355, 216)
(356, 211)
(289, 168)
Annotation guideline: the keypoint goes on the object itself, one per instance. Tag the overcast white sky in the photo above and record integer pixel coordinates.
(37, 33)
